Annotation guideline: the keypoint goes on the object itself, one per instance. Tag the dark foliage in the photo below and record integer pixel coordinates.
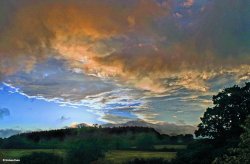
(59, 134)
(145, 142)
(84, 152)
(221, 127)
(121, 130)
(240, 154)
(231, 107)
(15, 142)
(113, 138)
(199, 152)
(41, 158)
(187, 138)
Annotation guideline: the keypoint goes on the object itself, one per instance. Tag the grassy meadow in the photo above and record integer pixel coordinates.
(121, 156)
(85, 145)
(112, 156)
(17, 153)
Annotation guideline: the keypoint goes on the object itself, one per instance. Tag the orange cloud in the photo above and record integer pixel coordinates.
(39, 29)
(119, 40)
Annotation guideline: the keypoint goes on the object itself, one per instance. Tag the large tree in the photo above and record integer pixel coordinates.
(223, 120)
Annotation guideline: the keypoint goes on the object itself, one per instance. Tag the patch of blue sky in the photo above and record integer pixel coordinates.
(32, 114)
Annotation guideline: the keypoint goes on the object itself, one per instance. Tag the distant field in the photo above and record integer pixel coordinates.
(120, 156)
(177, 147)
(17, 153)
(114, 156)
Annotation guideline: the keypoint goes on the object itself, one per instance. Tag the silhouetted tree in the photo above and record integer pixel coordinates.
(231, 107)
(221, 125)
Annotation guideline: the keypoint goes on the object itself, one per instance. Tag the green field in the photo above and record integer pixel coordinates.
(17, 153)
(114, 156)
(120, 156)
(177, 147)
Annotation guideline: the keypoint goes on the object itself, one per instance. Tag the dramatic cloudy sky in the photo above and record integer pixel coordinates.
(112, 61)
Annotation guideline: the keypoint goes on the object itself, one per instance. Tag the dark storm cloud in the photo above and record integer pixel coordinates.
(225, 29)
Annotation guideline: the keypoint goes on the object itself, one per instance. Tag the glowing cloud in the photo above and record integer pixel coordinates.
(122, 40)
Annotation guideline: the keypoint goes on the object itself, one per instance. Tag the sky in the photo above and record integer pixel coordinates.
(113, 61)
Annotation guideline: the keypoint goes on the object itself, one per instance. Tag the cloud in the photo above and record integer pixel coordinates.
(5, 133)
(52, 80)
(112, 54)
(116, 119)
(66, 27)
(4, 112)
(77, 125)
(224, 29)
(188, 3)
(116, 103)
(132, 43)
